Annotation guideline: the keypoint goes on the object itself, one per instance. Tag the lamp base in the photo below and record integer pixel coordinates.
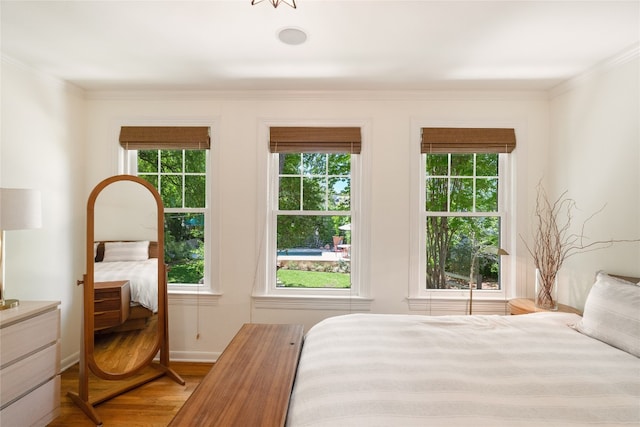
(8, 303)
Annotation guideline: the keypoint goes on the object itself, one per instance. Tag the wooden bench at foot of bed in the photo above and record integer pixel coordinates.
(250, 383)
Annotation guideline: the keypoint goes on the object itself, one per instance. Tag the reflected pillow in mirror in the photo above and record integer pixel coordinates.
(611, 313)
(126, 251)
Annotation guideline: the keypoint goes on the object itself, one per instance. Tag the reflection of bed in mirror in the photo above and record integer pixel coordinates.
(135, 262)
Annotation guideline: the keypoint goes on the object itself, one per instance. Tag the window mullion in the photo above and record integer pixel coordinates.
(183, 177)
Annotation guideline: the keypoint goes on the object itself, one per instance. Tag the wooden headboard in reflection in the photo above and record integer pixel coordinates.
(153, 249)
(627, 278)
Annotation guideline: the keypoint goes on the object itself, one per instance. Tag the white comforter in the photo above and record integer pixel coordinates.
(402, 370)
(142, 276)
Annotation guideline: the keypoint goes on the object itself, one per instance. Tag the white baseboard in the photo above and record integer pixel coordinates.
(174, 356)
(69, 361)
(194, 356)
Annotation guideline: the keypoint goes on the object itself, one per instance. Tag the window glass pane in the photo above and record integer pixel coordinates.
(184, 232)
(314, 192)
(437, 193)
(314, 163)
(153, 179)
(194, 191)
(437, 164)
(461, 195)
(487, 195)
(339, 194)
(462, 250)
(147, 161)
(184, 247)
(313, 251)
(171, 161)
(462, 164)
(195, 161)
(486, 164)
(289, 194)
(171, 190)
(290, 164)
(339, 164)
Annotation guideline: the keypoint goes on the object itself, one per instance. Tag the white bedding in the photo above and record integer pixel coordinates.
(142, 276)
(403, 370)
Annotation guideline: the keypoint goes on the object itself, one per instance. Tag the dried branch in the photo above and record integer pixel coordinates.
(553, 243)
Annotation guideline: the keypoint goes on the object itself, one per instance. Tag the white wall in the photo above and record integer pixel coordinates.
(595, 156)
(238, 117)
(42, 147)
(75, 144)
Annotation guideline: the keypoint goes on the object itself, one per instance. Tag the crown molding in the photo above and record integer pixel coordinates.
(630, 54)
(69, 88)
(335, 95)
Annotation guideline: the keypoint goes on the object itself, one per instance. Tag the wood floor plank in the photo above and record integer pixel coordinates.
(153, 404)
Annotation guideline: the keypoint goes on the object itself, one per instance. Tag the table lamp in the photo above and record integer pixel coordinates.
(20, 209)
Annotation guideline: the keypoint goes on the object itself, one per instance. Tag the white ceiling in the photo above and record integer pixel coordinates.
(352, 44)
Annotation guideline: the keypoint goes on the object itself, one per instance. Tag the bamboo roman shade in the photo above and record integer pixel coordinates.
(165, 137)
(315, 140)
(468, 140)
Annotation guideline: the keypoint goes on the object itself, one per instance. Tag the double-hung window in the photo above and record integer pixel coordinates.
(313, 220)
(464, 184)
(175, 161)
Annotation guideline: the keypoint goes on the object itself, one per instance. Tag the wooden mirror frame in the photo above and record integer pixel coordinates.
(87, 361)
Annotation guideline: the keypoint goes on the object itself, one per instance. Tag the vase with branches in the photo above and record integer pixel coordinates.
(554, 243)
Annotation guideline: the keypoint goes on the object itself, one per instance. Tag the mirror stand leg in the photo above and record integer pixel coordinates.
(166, 370)
(86, 407)
(174, 375)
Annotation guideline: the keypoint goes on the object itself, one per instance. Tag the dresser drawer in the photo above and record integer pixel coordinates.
(107, 319)
(38, 408)
(28, 373)
(29, 335)
(101, 294)
(107, 305)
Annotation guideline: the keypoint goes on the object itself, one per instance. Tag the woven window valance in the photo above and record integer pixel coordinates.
(315, 140)
(468, 140)
(165, 137)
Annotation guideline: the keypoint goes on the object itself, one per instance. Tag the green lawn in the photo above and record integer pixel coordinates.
(313, 279)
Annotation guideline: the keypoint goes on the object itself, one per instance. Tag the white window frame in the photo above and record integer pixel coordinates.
(181, 292)
(420, 298)
(266, 294)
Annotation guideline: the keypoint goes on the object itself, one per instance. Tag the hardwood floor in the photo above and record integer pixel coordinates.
(153, 404)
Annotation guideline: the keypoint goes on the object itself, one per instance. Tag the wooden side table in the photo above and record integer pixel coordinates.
(526, 305)
(111, 303)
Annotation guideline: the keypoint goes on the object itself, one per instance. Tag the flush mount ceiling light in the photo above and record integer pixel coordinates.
(292, 36)
(275, 3)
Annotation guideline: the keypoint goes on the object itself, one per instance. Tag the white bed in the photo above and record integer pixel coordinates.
(136, 262)
(526, 370)
(142, 277)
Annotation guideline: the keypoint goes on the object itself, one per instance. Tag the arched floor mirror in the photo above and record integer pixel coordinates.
(125, 322)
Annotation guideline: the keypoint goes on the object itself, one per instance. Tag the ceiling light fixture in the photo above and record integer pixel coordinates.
(275, 3)
(292, 36)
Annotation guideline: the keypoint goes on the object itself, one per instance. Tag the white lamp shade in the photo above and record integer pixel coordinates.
(20, 209)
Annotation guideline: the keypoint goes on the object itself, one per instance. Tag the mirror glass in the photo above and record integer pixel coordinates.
(126, 275)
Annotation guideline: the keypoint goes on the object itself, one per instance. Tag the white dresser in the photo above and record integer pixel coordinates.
(30, 364)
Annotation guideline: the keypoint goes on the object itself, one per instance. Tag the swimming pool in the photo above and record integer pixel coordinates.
(300, 252)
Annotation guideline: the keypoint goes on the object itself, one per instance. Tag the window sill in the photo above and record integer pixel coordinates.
(307, 302)
(457, 306)
(193, 298)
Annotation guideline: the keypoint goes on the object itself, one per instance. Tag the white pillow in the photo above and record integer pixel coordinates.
(126, 251)
(612, 313)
